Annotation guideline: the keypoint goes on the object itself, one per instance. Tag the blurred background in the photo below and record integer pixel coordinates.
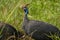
(44, 10)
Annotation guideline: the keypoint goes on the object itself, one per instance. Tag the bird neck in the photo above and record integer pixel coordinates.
(25, 14)
(25, 18)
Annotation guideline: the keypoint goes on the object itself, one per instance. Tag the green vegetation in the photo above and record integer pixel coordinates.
(44, 10)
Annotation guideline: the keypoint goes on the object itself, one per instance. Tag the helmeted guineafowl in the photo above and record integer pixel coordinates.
(6, 30)
(38, 29)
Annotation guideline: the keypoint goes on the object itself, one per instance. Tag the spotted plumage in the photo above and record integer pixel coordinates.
(38, 29)
(6, 30)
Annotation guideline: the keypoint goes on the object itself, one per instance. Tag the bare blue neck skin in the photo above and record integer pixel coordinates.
(26, 10)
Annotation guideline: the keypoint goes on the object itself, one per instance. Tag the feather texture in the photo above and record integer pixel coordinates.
(8, 31)
(38, 29)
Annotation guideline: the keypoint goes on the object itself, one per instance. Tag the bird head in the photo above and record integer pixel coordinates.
(24, 7)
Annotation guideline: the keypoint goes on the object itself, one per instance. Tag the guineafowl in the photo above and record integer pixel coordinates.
(39, 30)
(6, 30)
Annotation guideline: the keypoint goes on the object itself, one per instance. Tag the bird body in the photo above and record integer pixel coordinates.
(7, 30)
(38, 29)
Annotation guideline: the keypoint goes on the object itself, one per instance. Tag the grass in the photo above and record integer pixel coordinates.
(44, 10)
